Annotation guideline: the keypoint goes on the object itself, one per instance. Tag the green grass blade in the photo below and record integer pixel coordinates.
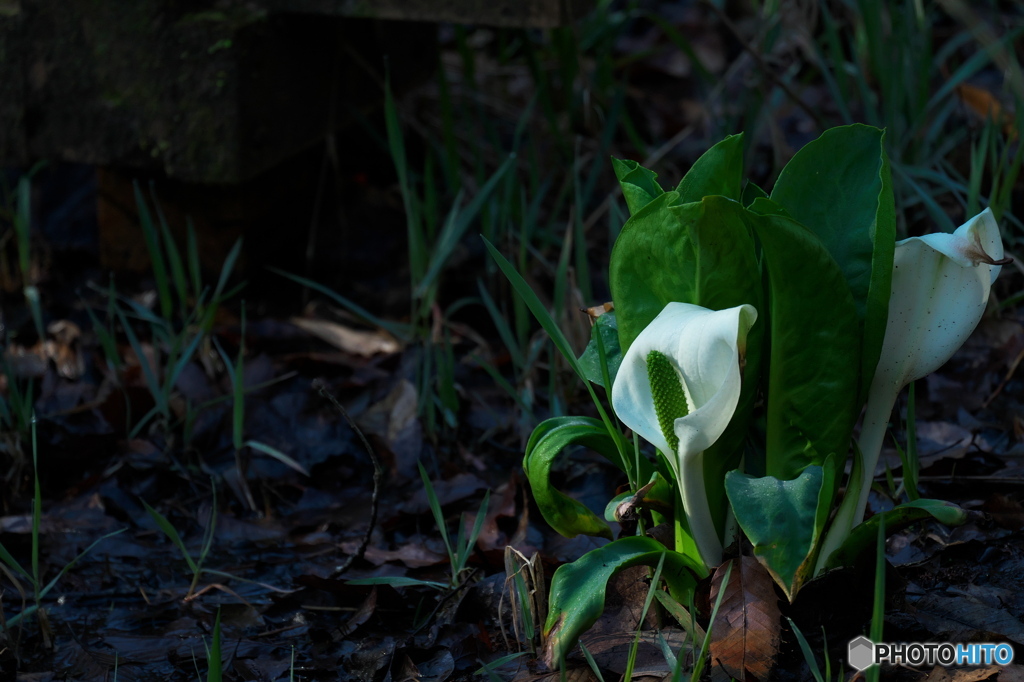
(227, 269)
(238, 386)
(12, 563)
(671, 660)
(593, 664)
(182, 362)
(147, 371)
(971, 66)
(502, 327)
(400, 331)
(276, 454)
(805, 648)
(37, 509)
(214, 673)
(698, 665)
(435, 509)
(503, 383)
(211, 526)
(398, 581)
(912, 465)
(682, 616)
(173, 258)
(171, 532)
(557, 337)
(106, 339)
(195, 270)
(538, 310)
(14, 620)
(634, 648)
(67, 567)
(467, 549)
(23, 226)
(455, 228)
(497, 663)
(155, 254)
(878, 605)
(418, 252)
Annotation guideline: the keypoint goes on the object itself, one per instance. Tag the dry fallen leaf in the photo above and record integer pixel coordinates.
(940, 674)
(395, 418)
(1011, 673)
(361, 615)
(985, 105)
(597, 311)
(611, 651)
(965, 618)
(355, 341)
(745, 634)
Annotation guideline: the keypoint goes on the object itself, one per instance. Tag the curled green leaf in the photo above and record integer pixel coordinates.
(898, 518)
(567, 516)
(577, 594)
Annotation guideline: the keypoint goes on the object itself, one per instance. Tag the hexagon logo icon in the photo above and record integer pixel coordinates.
(861, 653)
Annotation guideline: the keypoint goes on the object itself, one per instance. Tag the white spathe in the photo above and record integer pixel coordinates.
(705, 347)
(940, 287)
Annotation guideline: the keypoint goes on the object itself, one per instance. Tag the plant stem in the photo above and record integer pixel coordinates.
(872, 433)
(855, 500)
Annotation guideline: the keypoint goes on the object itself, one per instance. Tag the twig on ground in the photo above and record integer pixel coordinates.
(378, 474)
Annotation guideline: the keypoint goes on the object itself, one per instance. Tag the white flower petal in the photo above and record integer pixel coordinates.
(940, 287)
(705, 348)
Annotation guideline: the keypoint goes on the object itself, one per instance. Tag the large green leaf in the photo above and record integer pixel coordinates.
(701, 253)
(750, 192)
(863, 536)
(567, 516)
(607, 330)
(815, 347)
(727, 275)
(652, 264)
(576, 599)
(782, 521)
(639, 185)
(719, 171)
(840, 187)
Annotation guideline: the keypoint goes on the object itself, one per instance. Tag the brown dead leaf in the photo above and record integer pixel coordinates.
(63, 348)
(361, 615)
(611, 651)
(412, 554)
(985, 105)
(965, 618)
(573, 674)
(1011, 673)
(940, 674)
(598, 310)
(395, 418)
(502, 505)
(355, 341)
(745, 634)
(1007, 512)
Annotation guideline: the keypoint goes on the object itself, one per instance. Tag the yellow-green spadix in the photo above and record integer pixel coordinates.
(678, 387)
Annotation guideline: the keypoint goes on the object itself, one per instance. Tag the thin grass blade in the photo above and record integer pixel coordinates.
(276, 454)
(171, 532)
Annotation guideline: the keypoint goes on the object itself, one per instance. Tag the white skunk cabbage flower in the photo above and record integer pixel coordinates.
(678, 387)
(940, 287)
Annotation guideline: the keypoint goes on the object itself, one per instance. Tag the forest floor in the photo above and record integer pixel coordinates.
(194, 473)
